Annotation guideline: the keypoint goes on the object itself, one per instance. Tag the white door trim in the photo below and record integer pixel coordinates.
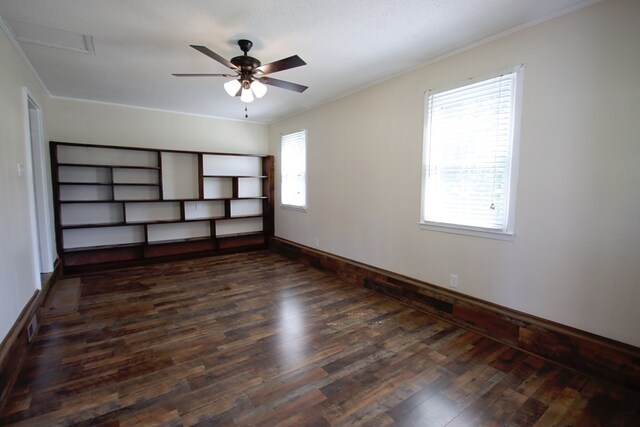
(37, 184)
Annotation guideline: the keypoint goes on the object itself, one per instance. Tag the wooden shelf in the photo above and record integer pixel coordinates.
(229, 236)
(162, 200)
(154, 222)
(115, 201)
(243, 216)
(101, 247)
(97, 225)
(192, 239)
(228, 198)
(105, 166)
(86, 183)
(164, 221)
(77, 202)
(172, 190)
(135, 184)
(110, 184)
(236, 176)
(143, 200)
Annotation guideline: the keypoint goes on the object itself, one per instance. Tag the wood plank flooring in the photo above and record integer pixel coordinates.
(256, 339)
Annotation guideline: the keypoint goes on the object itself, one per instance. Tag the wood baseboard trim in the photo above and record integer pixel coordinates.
(53, 277)
(14, 347)
(591, 354)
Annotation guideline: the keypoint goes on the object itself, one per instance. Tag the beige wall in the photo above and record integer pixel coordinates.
(18, 265)
(107, 124)
(576, 256)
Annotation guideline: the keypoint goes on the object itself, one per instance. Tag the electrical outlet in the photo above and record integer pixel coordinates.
(316, 242)
(20, 169)
(453, 280)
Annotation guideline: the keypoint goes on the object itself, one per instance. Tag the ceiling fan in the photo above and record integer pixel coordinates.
(251, 75)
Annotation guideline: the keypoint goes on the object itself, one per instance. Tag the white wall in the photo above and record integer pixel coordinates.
(108, 124)
(576, 256)
(19, 277)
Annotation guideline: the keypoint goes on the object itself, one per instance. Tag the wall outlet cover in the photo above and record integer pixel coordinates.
(453, 280)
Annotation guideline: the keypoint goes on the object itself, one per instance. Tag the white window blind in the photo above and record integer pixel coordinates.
(468, 155)
(293, 169)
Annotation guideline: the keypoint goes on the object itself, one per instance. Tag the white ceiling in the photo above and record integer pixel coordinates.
(347, 44)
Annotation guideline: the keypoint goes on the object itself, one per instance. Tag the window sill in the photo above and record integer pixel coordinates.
(294, 208)
(468, 231)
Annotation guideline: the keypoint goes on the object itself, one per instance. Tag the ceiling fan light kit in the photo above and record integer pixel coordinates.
(259, 90)
(251, 80)
(247, 95)
(232, 87)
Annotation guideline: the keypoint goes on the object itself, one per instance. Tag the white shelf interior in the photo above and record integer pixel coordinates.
(178, 231)
(106, 156)
(179, 176)
(86, 237)
(135, 176)
(84, 174)
(90, 213)
(157, 211)
(246, 207)
(237, 226)
(136, 193)
(204, 209)
(249, 187)
(214, 164)
(218, 188)
(85, 192)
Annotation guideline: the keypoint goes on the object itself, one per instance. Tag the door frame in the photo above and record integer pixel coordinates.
(37, 186)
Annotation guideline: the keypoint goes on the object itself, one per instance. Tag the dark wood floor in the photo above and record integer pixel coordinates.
(256, 339)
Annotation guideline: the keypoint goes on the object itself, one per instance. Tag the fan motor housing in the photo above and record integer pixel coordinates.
(245, 62)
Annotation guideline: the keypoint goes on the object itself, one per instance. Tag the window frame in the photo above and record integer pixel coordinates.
(508, 233)
(302, 208)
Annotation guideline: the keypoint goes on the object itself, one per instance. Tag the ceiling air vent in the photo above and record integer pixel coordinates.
(58, 39)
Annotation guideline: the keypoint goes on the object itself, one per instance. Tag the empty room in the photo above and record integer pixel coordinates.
(320, 213)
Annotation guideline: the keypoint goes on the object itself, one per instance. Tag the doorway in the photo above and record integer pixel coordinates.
(37, 154)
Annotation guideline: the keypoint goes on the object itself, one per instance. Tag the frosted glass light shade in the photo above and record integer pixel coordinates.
(246, 96)
(258, 88)
(232, 87)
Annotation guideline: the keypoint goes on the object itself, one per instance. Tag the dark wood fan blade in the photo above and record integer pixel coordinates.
(283, 64)
(211, 54)
(283, 84)
(205, 75)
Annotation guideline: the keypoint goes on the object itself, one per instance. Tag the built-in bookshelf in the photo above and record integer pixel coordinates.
(117, 204)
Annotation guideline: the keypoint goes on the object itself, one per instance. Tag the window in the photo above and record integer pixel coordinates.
(470, 156)
(293, 169)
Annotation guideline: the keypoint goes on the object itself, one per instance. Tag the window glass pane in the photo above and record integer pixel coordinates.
(293, 168)
(468, 154)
